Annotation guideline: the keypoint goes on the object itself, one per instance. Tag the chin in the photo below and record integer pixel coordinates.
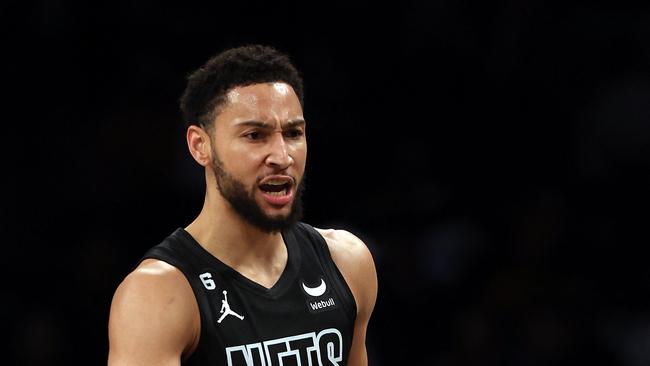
(279, 218)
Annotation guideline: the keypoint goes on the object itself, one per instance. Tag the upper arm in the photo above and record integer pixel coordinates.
(355, 261)
(154, 317)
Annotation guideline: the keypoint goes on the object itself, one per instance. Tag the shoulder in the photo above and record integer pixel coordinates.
(345, 246)
(152, 272)
(154, 305)
(355, 261)
(149, 278)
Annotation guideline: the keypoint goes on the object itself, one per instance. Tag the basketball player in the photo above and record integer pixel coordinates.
(247, 283)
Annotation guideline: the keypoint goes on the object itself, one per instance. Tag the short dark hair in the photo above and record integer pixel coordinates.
(241, 66)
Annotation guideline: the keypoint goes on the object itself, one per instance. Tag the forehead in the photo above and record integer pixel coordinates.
(262, 101)
(261, 91)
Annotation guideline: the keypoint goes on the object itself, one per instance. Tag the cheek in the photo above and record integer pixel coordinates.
(299, 152)
(242, 155)
(299, 160)
(242, 165)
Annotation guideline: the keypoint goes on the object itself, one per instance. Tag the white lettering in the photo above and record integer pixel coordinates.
(322, 349)
(322, 304)
(206, 278)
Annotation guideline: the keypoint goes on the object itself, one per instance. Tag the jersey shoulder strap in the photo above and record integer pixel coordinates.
(306, 233)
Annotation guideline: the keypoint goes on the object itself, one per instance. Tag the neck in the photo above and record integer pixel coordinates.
(232, 239)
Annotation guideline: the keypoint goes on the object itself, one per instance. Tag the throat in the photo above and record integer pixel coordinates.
(258, 256)
(264, 268)
(265, 275)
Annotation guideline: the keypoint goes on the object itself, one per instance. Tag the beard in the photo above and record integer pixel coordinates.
(244, 204)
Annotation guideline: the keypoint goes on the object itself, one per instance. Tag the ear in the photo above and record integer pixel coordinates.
(198, 141)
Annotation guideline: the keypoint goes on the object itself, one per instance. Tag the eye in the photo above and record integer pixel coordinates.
(294, 133)
(253, 135)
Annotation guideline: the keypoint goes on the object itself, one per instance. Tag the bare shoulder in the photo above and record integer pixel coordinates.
(153, 308)
(153, 282)
(345, 246)
(152, 272)
(355, 261)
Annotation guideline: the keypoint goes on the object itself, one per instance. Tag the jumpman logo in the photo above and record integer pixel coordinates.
(225, 308)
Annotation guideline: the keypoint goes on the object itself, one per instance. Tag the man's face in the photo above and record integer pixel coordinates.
(259, 154)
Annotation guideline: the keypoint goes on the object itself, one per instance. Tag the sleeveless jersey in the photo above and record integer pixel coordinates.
(306, 318)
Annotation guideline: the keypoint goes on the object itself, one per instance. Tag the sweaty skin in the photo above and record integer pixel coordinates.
(258, 134)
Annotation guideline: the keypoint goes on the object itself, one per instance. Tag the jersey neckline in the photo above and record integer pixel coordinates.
(279, 287)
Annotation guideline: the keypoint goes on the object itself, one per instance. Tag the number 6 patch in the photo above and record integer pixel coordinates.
(206, 278)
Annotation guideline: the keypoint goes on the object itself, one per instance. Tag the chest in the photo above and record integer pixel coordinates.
(304, 319)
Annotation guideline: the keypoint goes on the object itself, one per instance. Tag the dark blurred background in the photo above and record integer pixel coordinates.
(494, 156)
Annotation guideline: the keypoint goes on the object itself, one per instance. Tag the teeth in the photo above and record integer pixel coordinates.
(280, 193)
(275, 182)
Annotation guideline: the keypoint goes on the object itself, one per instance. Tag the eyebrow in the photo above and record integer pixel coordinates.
(260, 124)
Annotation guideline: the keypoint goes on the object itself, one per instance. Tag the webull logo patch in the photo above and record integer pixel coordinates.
(321, 305)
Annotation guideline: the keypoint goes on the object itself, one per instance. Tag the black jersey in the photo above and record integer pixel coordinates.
(306, 318)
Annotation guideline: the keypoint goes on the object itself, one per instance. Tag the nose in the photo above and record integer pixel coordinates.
(278, 156)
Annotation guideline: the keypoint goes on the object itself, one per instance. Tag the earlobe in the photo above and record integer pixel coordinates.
(198, 142)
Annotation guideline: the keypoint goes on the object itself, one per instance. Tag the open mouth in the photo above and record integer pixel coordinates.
(276, 187)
